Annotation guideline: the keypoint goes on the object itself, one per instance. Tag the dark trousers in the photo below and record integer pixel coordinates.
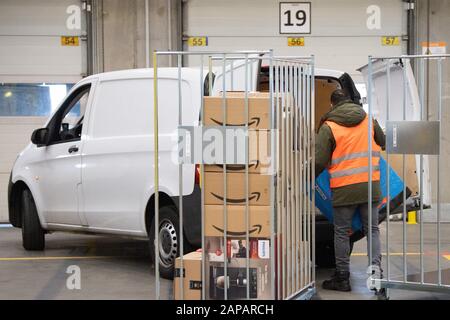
(343, 217)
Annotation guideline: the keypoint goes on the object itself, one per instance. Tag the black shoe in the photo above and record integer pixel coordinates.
(340, 281)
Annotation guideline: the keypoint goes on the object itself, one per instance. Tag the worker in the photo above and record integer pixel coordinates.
(342, 147)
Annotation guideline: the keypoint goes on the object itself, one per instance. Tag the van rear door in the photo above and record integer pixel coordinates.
(412, 113)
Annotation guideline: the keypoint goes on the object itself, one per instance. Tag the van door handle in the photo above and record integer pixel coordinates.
(73, 149)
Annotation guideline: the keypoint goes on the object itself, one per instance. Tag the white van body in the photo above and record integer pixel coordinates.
(105, 186)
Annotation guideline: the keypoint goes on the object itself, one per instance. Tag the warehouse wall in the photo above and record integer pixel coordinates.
(433, 25)
(30, 47)
(339, 35)
(121, 31)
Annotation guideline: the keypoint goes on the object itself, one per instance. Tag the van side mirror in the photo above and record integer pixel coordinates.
(40, 136)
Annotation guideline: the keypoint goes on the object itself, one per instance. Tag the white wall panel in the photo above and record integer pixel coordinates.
(339, 35)
(30, 42)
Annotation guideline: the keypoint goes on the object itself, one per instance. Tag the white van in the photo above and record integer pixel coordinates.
(90, 169)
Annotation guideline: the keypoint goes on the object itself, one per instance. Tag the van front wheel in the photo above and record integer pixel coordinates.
(169, 241)
(33, 236)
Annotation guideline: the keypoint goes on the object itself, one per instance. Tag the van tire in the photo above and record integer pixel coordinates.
(169, 241)
(33, 236)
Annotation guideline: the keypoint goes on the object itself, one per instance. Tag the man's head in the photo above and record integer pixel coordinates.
(338, 96)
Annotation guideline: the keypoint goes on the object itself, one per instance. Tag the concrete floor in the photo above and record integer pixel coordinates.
(396, 263)
(118, 268)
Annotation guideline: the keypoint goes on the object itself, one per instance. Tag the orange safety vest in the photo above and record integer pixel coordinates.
(350, 159)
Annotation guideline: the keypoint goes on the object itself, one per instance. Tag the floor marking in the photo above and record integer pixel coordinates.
(61, 258)
(5, 226)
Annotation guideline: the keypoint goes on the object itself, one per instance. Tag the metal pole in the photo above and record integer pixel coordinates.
(287, 119)
(232, 73)
(308, 172)
(225, 186)
(388, 202)
(156, 172)
(413, 56)
(405, 270)
(202, 183)
(304, 175)
(279, 181)
(422, 102)
(283, 175)
(210, 79)
(229, 55)
(292, 177)
(369, 182)
(438, 198)
(313, 161)
(251, 72)
(180, 182)
(272, 186)
(295, 178)
(247, 222)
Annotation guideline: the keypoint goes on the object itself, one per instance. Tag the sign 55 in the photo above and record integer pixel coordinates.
(198, 41)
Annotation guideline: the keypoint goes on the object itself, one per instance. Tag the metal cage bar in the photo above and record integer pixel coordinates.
(388, 64)
(291, 92)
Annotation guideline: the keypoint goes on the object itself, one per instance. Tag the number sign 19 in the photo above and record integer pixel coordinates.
(295, 17)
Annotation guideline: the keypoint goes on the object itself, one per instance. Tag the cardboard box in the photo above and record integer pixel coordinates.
(237, 248)
(251, 94)
(323, 90)
(259, 280)
(260, 274)
(258, 189)
(192, 263)
(258, 110)
(259, 248)
(259, 154)
(259, 221)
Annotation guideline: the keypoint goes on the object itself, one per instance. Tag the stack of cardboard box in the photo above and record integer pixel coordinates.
(259, 210)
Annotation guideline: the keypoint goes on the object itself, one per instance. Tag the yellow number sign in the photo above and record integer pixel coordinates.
(197, 41)
(390, 41)
(296, 42)
(70, 41)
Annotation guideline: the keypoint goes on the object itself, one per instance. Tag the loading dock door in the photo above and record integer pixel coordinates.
(42, 54)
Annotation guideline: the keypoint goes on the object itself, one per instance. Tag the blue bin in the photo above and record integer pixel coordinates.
(323, 192)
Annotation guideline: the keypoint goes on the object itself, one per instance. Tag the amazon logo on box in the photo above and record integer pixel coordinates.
(258, 110)
(258, 189)
(259, 221)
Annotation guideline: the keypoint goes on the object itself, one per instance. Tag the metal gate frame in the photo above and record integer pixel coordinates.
(383, 285)
(291, 84)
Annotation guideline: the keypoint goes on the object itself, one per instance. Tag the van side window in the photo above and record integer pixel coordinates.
(67, 123)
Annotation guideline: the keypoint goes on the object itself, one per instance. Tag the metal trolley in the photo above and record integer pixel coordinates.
(290, 89)
(413, 127)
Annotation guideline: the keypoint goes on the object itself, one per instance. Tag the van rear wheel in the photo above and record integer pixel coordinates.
(169, 241)
(33, 236)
